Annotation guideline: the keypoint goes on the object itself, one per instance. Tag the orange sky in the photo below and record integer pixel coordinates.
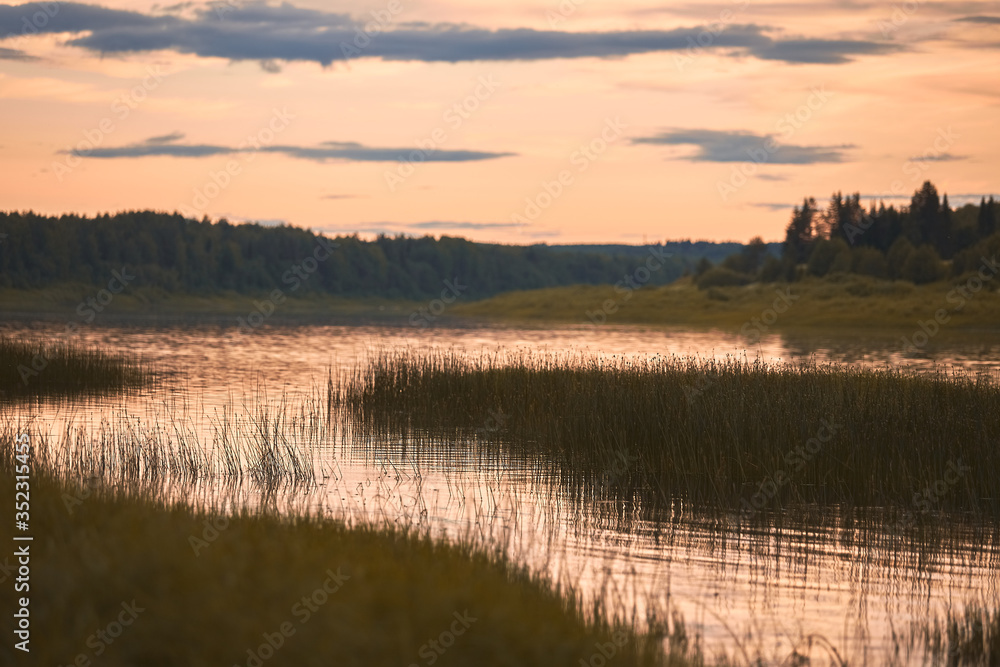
(580, 121)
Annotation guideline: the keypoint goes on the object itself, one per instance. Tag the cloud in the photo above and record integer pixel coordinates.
(719, 146)
(466, 225)
(165, 138)
(942, 157)
(268, 34)
(15, 54)
(166, 146)
(772, 206)
(989, 20)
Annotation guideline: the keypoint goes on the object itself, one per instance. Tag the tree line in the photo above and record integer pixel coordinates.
(923, 242)
(181, 255)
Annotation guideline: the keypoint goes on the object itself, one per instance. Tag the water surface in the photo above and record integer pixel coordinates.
(763, 589)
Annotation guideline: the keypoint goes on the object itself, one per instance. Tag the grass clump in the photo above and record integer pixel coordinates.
(252, 588)
(36, 369)
(727, 434)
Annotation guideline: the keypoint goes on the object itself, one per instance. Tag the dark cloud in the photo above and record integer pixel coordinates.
(358, 153)
(165, 138)
(989, 20)
(68, 17)
(943, 157)
(825, 52)
(166, 146)
(718, 146)
(268, 34)
(14, 54)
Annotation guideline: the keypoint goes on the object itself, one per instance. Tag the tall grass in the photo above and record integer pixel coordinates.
(214, 586)
(38, 368)
(266, 444)
(717, 433)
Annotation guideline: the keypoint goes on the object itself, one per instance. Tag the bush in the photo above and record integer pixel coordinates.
(775, 269)
(722, 277)
(868, 261)
(899, 253)
(829, 255)
(923, 266)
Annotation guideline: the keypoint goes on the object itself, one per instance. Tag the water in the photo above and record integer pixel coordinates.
(765, 590)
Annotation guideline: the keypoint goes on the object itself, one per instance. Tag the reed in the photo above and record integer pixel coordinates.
(731, 434)
(267, 444)
(38, 368)
(216, 586)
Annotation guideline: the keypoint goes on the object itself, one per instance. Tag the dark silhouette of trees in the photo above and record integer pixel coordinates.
(920, 243)
(175, 254)
(986, 223)
(799, 235)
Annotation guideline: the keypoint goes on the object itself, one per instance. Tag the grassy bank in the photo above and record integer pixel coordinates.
(38, 368)
(837, 302)
(728, 434)
(126, 580)
(61, 303)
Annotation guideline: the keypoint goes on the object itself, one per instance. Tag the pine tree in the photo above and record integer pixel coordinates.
(987, 220)
(800, 233)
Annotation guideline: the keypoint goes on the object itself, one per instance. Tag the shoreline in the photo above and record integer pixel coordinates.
(850, 306)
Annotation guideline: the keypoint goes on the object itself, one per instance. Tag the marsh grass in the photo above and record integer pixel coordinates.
(711, 432)
(267, 444)
(38, 368)
(209, 602)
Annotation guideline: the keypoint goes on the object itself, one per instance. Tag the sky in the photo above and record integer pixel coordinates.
(548, 121)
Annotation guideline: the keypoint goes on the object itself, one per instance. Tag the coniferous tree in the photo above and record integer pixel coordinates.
(800, 233)
(986, 223)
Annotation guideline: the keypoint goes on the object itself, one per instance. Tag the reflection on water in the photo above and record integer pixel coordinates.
(835, 573)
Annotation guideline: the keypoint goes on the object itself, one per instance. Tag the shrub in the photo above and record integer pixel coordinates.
(826, 257)
(868, 261)
(722, 277)
(923, 266)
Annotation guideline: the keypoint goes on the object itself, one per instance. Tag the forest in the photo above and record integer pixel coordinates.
(921, 243)
(180, 255)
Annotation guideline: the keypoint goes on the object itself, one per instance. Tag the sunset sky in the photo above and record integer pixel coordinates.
(518, 122)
